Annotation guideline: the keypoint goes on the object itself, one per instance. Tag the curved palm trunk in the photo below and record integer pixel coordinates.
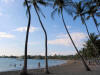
(90, 38)
(86, 66)
(96, 24)
(46, 57)
(24, 71)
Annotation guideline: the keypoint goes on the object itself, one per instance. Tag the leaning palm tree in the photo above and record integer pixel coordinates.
(92, 12)
(38, 10)
(58, 6)
(80, 12)
(24, 71)
(94, 39)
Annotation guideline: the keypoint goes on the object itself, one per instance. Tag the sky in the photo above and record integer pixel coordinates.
(13, 24)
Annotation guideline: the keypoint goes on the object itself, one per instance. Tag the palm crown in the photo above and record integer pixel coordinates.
(79, 11)
(60, 5)
(36, 3)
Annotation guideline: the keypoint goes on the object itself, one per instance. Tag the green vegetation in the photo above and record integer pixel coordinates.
(88, 51)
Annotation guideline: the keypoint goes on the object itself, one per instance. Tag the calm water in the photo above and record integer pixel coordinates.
(8, 64)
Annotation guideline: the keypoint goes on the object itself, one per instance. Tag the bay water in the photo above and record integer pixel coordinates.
(12, 64)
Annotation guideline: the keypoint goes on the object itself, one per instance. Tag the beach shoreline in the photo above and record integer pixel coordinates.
(71, 67)
(67, 62)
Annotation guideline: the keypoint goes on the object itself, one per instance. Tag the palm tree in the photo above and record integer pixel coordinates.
(80, 12)
(24, 71)
(38, 10)
(88, 46)
(92, 12)
(59, 5)
(94, 39)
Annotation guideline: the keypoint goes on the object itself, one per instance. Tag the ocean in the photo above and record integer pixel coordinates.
(13, 64)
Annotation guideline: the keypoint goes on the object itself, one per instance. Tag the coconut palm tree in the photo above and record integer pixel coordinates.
(38, 10)
(88, 46)
(24, 71)
(92, 12)
(59, 6)
(80, 12)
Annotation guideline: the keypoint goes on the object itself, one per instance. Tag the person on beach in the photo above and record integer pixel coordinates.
(39, 65)
(14, 65)
(20, 64)
(89, 62)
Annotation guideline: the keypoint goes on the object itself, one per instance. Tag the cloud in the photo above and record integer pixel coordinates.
(1, 14)
(68, 26)
(6, 35)
(67, 52)
(7, 1)
(53, 52)
(62, 39)
(34, 43)
(23, 29)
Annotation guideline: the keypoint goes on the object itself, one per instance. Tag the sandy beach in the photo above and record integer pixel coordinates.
(69, 68)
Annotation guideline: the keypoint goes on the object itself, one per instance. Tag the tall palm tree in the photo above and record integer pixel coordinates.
(38, 10)
(24, 71)
(88, 46)
(59, 5)
(94, 39)
(80, 12)
(92, 12)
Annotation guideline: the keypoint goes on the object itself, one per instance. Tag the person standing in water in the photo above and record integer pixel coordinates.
(39, 65)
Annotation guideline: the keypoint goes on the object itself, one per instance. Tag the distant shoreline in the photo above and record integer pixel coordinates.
(61, 57)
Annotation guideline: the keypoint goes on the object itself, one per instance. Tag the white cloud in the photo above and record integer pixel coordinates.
(67, 52)
(34, 43)
(53, 52)
(15, 51)
(1, 14)
(7, 1)
(62, 39)
(6, 35)
(68, 26)
(23, 29)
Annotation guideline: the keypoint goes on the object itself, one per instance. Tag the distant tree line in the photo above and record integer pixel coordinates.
(62, 57)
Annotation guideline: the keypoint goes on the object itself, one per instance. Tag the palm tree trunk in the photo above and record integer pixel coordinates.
(95, 49)
(96, 24)
(46, 49)
(86, 66)
(24, 71)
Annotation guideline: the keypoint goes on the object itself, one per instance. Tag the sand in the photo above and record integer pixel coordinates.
(72, 67)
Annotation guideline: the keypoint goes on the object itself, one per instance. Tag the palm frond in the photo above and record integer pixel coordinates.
(42, 2)
(75, 17)
(69, 10)
(39, 10)
(24, 4)
(83, 21)
(53, 13)
(88, 17)
(59, 11)
(98, 24)
(98, 14)
(27, 9)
